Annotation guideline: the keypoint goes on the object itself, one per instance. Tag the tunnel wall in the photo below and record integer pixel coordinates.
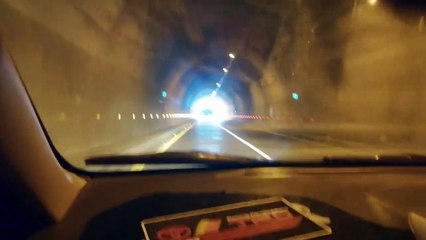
(82, 66)
(384, 70)
(364, 66)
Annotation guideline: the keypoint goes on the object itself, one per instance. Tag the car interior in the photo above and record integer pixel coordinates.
(43, 196)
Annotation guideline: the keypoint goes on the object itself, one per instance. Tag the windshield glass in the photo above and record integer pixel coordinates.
(269, 80)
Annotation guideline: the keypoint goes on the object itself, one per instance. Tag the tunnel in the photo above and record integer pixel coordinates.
(120, 69)
(206, 76)
(195, 58)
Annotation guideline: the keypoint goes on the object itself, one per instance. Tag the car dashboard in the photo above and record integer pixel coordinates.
(368, 203)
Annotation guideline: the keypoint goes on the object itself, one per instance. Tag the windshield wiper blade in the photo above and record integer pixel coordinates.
(171, 158)
(377, 160)
(188, 160)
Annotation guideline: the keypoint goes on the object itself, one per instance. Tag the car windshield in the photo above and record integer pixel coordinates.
(278, 80)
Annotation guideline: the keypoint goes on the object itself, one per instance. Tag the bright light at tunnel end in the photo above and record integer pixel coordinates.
(211, 109)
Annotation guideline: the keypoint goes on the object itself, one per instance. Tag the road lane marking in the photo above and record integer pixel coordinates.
(266, 156)
(174, 139)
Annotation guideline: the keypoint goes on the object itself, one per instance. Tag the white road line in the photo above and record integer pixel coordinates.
(174, 139)
(266, 156)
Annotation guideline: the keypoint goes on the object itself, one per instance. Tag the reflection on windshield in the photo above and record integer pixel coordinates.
(259, 79)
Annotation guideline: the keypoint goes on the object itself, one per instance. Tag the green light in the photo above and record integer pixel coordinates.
(164, 94)
(295, 96)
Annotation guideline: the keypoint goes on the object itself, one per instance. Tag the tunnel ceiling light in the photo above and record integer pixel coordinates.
(231, 55)
(225, 70)
(218, 84)
(295, 96)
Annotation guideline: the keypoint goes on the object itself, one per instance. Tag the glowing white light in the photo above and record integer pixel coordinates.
(143, 115)
(157, 115)
(98, 116)
(119, 116)
(231, 55)
(211, 109)
(218, 84)
(372, 2)
(225, 70)
(133, 116)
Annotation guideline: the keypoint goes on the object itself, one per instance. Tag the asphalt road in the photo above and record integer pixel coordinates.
(234, 140)
(217, 139)
(254, 141)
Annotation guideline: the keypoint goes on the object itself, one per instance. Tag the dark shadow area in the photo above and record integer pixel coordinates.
(21, 215)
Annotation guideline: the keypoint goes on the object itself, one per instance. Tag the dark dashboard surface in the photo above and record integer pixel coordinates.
(123, 222)
(362, 203)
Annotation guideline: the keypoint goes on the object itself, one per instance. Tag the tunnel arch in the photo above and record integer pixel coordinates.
(187, 80)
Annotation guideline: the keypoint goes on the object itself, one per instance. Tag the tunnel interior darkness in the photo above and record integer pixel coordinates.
(194, 52)
(204, 78)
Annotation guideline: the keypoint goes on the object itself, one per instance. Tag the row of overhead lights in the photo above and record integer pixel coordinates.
(232, 57)
(225, 70)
